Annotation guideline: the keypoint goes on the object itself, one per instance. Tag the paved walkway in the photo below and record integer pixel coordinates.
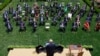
(31, 52)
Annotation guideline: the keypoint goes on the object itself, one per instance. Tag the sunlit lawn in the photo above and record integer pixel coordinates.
(41, 36)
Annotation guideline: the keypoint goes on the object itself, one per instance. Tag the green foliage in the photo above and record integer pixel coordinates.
(4, 4)
(1, 1)
(21, 46)
(90, 4)
(87, 2)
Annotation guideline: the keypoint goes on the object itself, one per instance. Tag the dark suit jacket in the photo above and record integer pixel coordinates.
(50, 48)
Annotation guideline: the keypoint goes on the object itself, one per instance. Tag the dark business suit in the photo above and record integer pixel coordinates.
(50, 48)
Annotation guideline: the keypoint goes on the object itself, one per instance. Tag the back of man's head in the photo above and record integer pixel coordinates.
(50, 40)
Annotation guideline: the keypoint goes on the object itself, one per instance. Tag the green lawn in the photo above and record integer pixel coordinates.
(67, 38)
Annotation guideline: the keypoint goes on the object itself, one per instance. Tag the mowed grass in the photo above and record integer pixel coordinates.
(41, 36)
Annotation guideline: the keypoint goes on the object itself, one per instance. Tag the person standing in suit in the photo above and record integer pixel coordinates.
(50, 48)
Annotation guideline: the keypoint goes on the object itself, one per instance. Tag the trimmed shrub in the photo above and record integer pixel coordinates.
(90, 4)
(4, 4)
(21, 46)
(1, 1)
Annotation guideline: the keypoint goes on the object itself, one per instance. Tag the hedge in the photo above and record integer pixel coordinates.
(4, 4)
(1, 1)
(10, 47)
(89, 4)
(32, 46)
(21, 46)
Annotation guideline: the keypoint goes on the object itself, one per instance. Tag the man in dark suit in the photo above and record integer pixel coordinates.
(62, 26)
(50, 48)
(42, 21)
(8, 26)
(34, 25)
(22, 26)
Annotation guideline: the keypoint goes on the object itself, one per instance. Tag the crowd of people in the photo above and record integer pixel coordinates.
(56, 13)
